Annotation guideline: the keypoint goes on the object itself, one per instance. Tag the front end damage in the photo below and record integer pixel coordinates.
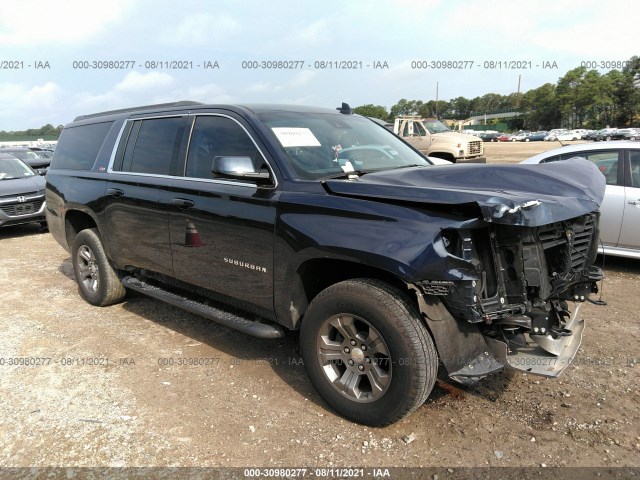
(516, 303)
(501, 281)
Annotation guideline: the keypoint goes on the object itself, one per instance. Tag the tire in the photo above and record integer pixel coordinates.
(367, 352)
(98, 282)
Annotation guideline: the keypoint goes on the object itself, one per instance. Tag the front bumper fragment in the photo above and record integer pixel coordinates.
(543, 355)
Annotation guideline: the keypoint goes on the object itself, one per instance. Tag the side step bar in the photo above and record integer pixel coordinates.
(228, 319)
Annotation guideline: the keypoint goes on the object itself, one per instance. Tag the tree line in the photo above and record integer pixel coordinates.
(582, 98)
(47, 130)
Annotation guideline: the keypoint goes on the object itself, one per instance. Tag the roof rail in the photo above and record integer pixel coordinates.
(182, 103)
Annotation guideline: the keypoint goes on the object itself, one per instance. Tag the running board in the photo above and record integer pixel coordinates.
(228, 319)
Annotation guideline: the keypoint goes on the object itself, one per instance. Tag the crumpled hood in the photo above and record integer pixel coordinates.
(527, 195)
(20, 186)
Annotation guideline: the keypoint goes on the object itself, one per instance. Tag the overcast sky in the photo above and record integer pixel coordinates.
(366, 33)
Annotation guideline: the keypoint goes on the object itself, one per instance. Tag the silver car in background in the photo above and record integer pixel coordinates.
(21, 193)
(619, 162)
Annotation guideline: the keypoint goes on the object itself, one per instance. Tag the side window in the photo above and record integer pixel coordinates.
(607, 162)
(634, 156)
(217, 136)
(79, 146)
(418, 129)
(405, 129)
(156, 148)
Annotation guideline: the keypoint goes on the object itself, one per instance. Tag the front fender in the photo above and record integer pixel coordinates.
(399, 241)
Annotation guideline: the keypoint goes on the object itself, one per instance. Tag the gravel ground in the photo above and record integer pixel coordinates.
(145, 384)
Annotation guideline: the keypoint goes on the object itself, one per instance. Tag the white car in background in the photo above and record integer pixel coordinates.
(619, 162)
(563, 136)
(579, 133)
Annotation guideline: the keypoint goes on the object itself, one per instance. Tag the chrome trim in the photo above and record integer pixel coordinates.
(191, 179)
(27, 199)
(112, 158)
(193, 123)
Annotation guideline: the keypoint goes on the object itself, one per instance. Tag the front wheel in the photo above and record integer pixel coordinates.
(98, 282)
(367, 352)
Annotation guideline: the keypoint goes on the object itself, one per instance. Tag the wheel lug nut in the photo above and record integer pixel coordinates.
(351, 363)
(353, 343)
(367, 360)
(364, 348)
(347, 350)
(361, 367)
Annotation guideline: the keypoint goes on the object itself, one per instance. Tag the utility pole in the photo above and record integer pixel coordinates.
(437, 98)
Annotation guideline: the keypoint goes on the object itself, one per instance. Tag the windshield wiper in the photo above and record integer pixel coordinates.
(357, 173)
(408, 166)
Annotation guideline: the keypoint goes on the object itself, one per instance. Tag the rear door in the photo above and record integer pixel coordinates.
(630, 232)
(222, 230)
(138, 193)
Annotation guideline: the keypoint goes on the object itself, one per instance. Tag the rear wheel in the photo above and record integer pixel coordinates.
(98, 282)
(367, 352)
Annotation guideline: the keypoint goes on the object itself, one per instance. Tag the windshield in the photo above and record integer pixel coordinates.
(320, 145)
(434, 125)
(25, 155)
(13, 168)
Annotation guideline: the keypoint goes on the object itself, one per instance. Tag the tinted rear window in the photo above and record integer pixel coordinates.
(78, 146)
(157, 146)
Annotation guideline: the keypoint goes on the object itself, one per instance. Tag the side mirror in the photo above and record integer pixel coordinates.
(238, 168)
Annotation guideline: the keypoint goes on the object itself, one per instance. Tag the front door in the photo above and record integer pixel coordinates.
(222, 230)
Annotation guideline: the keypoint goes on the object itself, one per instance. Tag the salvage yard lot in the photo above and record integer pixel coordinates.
(145, 384)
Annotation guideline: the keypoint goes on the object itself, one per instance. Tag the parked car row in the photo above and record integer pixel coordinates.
(36, 158)
(564, 135)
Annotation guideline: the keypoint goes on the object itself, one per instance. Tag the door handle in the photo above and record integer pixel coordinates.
(637, 202)
(182, 202)
(115, 192)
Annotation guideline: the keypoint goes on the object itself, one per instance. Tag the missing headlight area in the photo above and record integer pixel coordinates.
(525, 277)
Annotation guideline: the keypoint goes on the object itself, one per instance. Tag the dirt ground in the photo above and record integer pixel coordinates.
(146, 384)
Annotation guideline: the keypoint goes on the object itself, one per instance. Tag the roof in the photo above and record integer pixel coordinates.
(193, 106)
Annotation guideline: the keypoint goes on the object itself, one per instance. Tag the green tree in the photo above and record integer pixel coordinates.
(370, 110)
(405, 107)
(539, 108)
(627, 93)
(460, 108)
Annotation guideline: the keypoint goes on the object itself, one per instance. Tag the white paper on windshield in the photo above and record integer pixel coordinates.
(348, 167)
(296, 137)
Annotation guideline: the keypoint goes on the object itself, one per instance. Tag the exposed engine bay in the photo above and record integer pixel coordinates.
(530, 283)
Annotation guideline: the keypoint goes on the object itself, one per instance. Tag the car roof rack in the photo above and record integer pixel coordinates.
(182, 103)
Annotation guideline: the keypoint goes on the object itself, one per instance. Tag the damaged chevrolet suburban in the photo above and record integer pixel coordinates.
(267, 217)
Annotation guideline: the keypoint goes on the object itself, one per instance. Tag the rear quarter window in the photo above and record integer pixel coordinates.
(78, 146)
